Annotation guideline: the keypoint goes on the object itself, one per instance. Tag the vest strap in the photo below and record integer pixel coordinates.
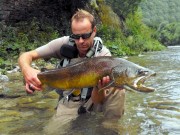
(84, 92)
(65, 62)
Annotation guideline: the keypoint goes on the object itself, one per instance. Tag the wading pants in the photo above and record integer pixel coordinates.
(67, 111)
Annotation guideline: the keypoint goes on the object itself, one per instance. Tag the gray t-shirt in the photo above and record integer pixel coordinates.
(52, 49)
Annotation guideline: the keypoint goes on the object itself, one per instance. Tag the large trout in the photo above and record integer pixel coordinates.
(87, 73)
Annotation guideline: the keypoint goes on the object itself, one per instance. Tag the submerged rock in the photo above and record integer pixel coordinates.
(12, 115)
(166, 105)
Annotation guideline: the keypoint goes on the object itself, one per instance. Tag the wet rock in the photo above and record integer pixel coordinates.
(15, 70)
(4, 78)
(167, 105)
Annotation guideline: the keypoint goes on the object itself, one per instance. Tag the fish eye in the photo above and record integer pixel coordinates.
(142, 72)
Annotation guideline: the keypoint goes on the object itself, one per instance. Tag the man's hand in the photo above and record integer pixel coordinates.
(31, 81)
(103, 82)
(30, 74)
(98, 97)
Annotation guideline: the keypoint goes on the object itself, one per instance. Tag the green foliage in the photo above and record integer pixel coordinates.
(108, 32)
(94, 4)
(141, 35)
(131, 36)
(157, 11)
(135, 39)
(108, 17)
(24, 37)
(169, 34)
(123, 7)
(114, 39)
(163, 15)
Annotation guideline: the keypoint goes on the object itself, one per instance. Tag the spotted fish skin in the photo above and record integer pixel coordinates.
(87, 72)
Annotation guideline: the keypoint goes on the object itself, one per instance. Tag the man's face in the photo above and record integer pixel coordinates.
(84, 34)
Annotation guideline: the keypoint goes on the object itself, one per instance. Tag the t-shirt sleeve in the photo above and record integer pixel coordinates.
(52, 49)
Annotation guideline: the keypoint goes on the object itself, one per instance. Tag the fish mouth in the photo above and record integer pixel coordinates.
(138, 84)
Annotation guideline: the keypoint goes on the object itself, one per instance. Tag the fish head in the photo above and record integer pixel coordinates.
(137, 76)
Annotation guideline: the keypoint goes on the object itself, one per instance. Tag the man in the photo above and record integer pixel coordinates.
(111, 101)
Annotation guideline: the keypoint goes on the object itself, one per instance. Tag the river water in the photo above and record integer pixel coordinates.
(156, 113)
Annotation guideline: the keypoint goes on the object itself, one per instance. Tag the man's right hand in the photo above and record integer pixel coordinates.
(31, 81)
(30, 74)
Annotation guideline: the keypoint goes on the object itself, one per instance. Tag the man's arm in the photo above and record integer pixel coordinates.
(49, 50)
(29, 73)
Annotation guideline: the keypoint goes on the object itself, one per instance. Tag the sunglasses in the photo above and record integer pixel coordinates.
(83, 36)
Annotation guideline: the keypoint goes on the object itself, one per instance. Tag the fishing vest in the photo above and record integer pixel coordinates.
(93, 51)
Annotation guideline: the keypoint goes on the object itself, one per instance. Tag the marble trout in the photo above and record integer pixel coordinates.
(87, 72)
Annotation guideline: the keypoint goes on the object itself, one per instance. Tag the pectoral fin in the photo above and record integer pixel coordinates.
(118, 75)
(115, 74)
(107, 86)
